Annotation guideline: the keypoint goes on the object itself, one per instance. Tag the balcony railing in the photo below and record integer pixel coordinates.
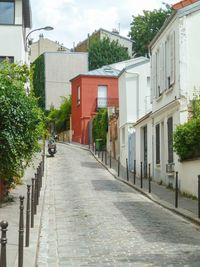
(104, 102)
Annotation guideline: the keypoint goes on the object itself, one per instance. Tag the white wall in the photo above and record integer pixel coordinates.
(193, 45)
(140, 143)
(60, 68)
(12, 42)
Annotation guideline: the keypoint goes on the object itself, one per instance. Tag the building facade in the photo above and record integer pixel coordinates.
(102, 33)
(175, 77)
(90, 92)
(15, 23)
(134, 103)
(45, 45)
(60, 68)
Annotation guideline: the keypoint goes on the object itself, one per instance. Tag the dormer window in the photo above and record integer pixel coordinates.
(7, 12)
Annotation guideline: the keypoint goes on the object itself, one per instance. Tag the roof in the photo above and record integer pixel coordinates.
(188, 9)
(183, 3)
(115, 34)
(138, 61)
(105, 71)
(27, 13)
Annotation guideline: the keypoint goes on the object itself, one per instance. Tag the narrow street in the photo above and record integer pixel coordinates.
(91, 219)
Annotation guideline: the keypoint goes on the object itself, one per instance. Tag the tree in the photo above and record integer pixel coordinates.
(145, 27)
(60, 118)
(104, 52)
(21, 122)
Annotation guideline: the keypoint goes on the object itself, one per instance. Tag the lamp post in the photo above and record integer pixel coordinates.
(47, 28)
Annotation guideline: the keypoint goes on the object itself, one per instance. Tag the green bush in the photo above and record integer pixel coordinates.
(187, 139)
(100, 125)
(61, 117)
(21, 121)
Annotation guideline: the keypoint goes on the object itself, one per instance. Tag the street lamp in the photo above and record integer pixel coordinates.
(47, 28)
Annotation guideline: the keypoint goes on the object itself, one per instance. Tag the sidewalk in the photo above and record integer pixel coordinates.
(187, 207)
(10, 212)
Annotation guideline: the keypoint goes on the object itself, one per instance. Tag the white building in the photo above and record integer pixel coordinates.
(134, 103)
(175, 74)
(15, 22)
(60, 68)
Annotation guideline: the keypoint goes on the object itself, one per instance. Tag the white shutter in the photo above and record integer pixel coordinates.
(168, 62)
(165, 65)
(172, 57)
(161, 68)
(158, 73)
(153, 75)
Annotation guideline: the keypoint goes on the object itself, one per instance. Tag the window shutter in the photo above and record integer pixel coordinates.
(162, 77)
(170, 140)
(172, 58)
(153, 75)
(158, 73)
(158, 144)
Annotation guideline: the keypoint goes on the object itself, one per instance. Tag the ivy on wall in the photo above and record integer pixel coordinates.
(38, 69)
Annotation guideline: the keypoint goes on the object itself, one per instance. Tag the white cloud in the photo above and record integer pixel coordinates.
(74, 19)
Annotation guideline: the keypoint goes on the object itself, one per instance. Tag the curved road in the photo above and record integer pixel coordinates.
(91, 219)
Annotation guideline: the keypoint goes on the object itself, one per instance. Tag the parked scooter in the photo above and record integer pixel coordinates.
(51, 147)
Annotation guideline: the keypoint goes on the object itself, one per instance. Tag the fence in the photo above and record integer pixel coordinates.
(32, 201)
(143, 179)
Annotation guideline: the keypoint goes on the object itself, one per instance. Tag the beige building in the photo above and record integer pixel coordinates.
(100, 34)
(60, 68)
(45, 45)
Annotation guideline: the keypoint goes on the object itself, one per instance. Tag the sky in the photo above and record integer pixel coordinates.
(73, 20)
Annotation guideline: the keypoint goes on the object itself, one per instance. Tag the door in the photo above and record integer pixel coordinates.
(102, 96)
(131, 148)
(145, 151)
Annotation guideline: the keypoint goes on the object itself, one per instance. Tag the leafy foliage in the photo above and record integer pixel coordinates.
(21, 121)
(104, 52)
(100, 125)
(38, 69)
(61, 117)
(145, 27)
(187, 139)
(187, 135)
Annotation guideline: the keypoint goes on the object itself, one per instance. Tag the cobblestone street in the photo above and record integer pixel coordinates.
(91, 219)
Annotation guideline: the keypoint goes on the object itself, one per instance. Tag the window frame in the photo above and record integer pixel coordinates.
(157, 129)
(13, 13)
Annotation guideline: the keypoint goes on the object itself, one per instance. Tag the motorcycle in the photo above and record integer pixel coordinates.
(51, 148)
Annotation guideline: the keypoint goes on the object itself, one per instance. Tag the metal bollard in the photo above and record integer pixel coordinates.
(141, 177)
(106, 157)
(102, 155)
(95, 150)
(42, 174)
(198, 196)
(42, 164)
(118, 169)
(32, 202)
(28, 216)
(4, 225)
(127, 171)
(35, 195)
(21, 233)
(176, 191)
(134, 174)
(149, 178)
(110, 160)
(98, 153)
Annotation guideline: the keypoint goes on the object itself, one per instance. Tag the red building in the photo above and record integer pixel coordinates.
(91, 91)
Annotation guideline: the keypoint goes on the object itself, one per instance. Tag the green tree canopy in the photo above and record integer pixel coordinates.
(145, 27)
(104, 52)
(21, 121)
(60, 118)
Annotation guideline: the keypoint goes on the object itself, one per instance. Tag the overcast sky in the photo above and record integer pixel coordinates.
(73, 20)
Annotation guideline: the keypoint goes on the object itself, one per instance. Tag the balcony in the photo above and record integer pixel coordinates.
(102, 102)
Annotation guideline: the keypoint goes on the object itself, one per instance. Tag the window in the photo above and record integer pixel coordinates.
(170, 139)
(158, 144)
(102, 96)
(78, 95)
(7, 11)
(2, 58)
